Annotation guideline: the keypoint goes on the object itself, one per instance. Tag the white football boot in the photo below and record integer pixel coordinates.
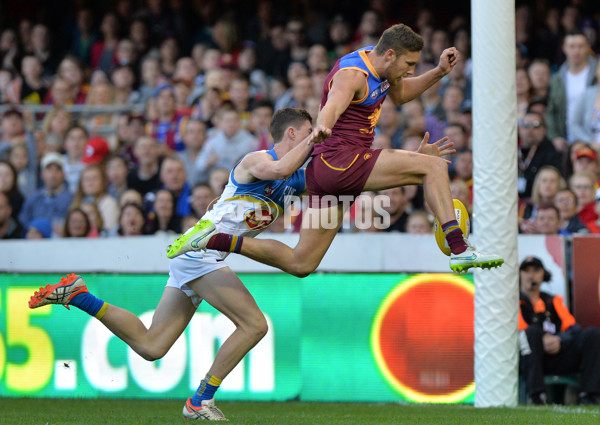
(207, 411)
(472, 258)
(195, 239)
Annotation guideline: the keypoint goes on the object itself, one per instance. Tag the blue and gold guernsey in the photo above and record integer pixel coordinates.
(246, 209)
(356, 126)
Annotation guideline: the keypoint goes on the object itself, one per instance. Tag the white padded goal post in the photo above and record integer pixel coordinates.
(495, 200)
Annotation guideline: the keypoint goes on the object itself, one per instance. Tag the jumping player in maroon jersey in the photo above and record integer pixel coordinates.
(344, 164)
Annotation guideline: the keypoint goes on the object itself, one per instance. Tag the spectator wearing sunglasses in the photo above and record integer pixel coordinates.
(535, 151)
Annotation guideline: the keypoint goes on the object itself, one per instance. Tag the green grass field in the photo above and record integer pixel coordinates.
(28, 411)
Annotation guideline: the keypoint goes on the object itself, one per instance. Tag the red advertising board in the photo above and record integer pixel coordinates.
(586, 280)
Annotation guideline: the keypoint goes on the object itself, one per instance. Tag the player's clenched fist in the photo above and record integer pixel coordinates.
(320, 133)
(448, 59)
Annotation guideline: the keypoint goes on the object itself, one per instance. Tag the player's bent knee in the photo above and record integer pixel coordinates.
(262, 329)
(153, 354)
(301, 266)
(302, 270)
(257, 329)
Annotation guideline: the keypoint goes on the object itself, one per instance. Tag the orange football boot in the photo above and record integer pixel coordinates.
(59, 293)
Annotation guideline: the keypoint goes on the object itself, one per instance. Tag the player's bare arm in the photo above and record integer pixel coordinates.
(347, 85)
(407, 89)
(262, 166)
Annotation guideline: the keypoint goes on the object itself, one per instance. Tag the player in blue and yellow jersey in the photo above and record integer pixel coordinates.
(345, 164)
(253, 198)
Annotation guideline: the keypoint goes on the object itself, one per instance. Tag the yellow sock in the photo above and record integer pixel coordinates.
(102, 311)
(214, 381)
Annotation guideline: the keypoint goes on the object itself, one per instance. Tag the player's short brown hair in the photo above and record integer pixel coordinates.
(400, 38)
(285, 118)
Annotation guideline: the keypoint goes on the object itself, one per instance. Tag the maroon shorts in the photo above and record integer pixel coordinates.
(343, 171)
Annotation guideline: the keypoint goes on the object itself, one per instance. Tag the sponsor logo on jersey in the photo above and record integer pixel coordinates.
(384, 86)
(258, 219)
(375, 94)
(269, 190)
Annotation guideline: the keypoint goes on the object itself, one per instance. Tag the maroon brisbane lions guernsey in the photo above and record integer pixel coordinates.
(356, 126)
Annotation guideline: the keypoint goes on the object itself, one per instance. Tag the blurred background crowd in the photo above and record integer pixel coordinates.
(125, 117)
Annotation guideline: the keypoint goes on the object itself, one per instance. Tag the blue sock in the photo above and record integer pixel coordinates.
(206, 390)
(88, 303)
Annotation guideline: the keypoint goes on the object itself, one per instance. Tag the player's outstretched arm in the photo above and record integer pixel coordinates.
(262, 166)
(410, 88)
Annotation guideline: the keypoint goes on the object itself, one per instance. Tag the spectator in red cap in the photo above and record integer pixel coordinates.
(96, 150)
(586, 160)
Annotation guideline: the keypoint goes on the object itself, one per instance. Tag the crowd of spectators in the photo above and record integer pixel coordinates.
(128, 121)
